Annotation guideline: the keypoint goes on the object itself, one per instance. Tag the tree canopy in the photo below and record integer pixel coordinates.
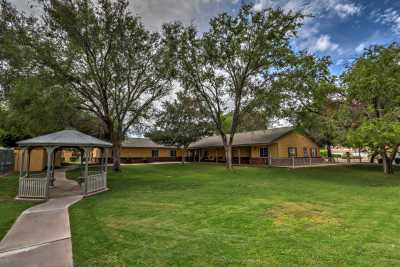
(180, 123)
(227, 66)
(372, 89)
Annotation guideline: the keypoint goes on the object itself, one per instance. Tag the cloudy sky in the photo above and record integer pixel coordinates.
(339, 28)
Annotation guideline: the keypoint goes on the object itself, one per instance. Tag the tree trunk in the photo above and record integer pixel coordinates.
(387, 164)
(116, 151)
(228, 156)
(373, 156)
(183, 156)
(329, 151)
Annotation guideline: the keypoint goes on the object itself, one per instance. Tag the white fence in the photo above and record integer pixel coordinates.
(33, 187)
(296, 162)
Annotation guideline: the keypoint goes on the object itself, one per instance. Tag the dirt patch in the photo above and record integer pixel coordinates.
(298, 212)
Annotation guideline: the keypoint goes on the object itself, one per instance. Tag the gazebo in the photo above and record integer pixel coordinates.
(36, 186)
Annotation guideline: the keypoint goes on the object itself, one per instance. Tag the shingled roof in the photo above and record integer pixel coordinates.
(245, 138)
(65, 138)
(142, 143)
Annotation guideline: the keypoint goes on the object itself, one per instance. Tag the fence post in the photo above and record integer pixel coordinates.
(270, 161)
(293, 162)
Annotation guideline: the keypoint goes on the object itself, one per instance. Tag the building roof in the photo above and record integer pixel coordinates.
(65, 138)
(142, 143)
(245, 138)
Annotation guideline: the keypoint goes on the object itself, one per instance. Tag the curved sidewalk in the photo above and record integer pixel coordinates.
(41, 235)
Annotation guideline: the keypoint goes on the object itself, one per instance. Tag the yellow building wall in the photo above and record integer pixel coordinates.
(296, 140)
(139, 152)
(280, 147)
(147, 152)
(38, 161)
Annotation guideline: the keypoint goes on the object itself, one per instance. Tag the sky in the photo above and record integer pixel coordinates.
(340, 29)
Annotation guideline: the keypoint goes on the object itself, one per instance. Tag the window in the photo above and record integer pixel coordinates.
(172, 153)
(154, 153)
(292, 152)
(314, 152)
(305, 150)
(263, 152)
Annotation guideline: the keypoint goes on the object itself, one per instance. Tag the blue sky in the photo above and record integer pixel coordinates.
(338, 28)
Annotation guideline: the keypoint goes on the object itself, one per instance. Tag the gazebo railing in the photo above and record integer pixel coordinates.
(96, 181)
(34, 187)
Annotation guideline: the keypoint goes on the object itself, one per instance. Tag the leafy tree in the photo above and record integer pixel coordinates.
(372, 87)
(180, 123)
(33, 101)
(313, 101)
(104, 54)
(227, 66)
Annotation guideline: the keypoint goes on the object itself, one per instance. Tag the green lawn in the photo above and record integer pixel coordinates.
(10, 209)
(203, 215)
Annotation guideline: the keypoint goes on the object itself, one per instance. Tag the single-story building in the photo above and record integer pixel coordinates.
(276, 146)
(257, 147)
(136, 150)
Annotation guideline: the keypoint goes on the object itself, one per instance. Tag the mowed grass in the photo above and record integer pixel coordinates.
(204, 215)
(10, 208)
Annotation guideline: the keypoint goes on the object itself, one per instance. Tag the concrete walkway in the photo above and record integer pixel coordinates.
(41, 236)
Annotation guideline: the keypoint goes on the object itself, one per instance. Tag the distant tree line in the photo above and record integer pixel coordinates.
(93, 66)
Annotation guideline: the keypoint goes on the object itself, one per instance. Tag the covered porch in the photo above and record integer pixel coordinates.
(41, 185)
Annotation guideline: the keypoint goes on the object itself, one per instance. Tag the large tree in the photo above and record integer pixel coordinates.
(180, 122)
(32, 100)
(227, 66)
(372, 88)
(104, 54)
(313, 99)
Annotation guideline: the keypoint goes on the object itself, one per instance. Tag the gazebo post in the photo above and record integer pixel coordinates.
(105, 160)
(86, 173)
(28, 162)
(49, 168)
(22, 163)
(81, 164)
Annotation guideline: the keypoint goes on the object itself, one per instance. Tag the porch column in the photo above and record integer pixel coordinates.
(86, 172)
(199, 155)
(216, 155)
(239, 155)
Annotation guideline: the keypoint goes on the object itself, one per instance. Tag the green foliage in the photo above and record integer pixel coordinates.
(372, 110)
(180, 122)
(377, 134)
(233, 62)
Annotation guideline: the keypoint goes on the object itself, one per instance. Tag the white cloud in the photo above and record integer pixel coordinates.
(341, 8)
(390, 17)
(324, 44)
(345, 10)
(360, 48)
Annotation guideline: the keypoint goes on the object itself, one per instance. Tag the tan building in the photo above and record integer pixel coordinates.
(38, 159)
(257, 147)
(136, 150)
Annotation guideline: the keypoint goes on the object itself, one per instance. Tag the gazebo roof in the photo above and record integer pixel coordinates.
(65, 138)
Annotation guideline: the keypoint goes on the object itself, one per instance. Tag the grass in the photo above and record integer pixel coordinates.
(203, 215)
(10, 209)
